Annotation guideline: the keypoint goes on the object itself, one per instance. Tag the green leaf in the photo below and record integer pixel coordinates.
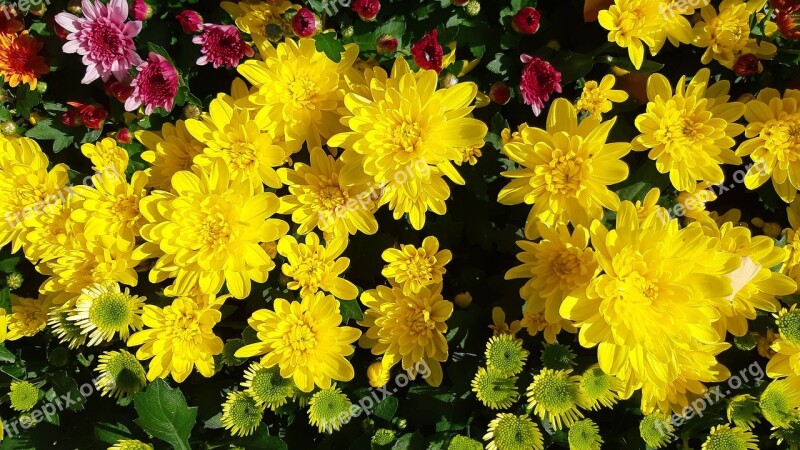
(572, 65)
(635, 192)
(47, 131)
(328, 44)
(5, 299)
(261, 439)
(625, 63)
(110, 433)
(349, 309)
(7, 265)
(163, 413)
(6, 355)
(26, 100)
(387, 408)
(65, 385)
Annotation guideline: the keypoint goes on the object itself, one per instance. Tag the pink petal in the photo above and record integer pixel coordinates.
(68, 21)
(132, 29)
(131, 103)
(89, 10)
(91, 74)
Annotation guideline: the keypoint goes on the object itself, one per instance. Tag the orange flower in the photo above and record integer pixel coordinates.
(19, 59)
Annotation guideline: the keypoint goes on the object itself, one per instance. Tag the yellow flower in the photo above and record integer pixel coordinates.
(53, 231)
(111, 207)
(499, 325)
(242, 139)
(690, 131)
(319, 198)
(27, 188)
(413, 268)
(534, 321)
(694, 203)
(773, 141)
(786, 360)
(378, 374)
(597, 98)
(103, 310)
(555, 266)
(509, 431)
(28, 317)
(725, 436)
(168, 152)
(566, 170)
(305, 339)
(405, 134)
(107, 156)
(655, 296)
(4, 319)
(208, 232)
(632, 24)
(315, 267)
(726, 35)
(792, 265)
(407, 328)
(754, 284)
(178, 338)
(648, 208)
(300, 88)
(261, 20)
(764, 343)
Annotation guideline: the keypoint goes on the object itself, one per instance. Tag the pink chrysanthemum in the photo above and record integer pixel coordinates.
(103, 38)
(539, 80)
(221, 45)
(155, 86)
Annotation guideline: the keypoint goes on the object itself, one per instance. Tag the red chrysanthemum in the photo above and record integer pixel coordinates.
(781, 5)
(191, 21)
(788, 21)
(539, 80)
(386, 44)
(155, 86)
(428, 53)
(20, 61)
(140, 10)
(221, 45)
(304, 23)
(367, 9)
(92, 116)
(747, 65)
(526, 20)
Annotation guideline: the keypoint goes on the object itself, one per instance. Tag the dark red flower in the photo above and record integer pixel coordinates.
(747, 65)
(120, 90)
(60, 31)
(788, 21)
(526, 20)
(500, 93)
(459, 2)
(781, 5)
(386, 44)
(92, 116)
(428, 53)
(539, 80)
(191, 21)
(140, 10)
(124, 136)
(304, 23)
(367, 9)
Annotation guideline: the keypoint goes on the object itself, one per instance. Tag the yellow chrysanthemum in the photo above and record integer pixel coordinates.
(130, 444)
(407, 329)
(689, 131)
(104, 311)
(413, 268)
(329, 409)
(305, 339)
(208, 232)
(584, 435)
(4, 319)
(319, 198)
(67, 331)
(656, 296)
(786, 348)
(315, 267)
(26, 187)
(53, 231)
(632, 24)
(111, 207)
(168, 152)
(241, 414)
(495, 389)
(780, 402)
(694, 203)
(378, 374)
(499, 325)
(178, 338)
(743, 411)
(300, 89)
(598, 389)
(512, 432)
(725, 437)
(119, 374)
(554, 266)
(597, 98)
(792, 265)
(242, 139)
(657, 430)
(554, 396)
(754, 283)
(726, 35)
(107, 156)
(535, 322)
(773, 132)
(23, 395)
(267, 386)
(566, 170)
(261, 20)
(28, 317)
(405, 135)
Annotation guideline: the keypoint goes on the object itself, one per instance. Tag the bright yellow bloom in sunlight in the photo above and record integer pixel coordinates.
(405, 134)
(754, 283)
(407, 329)
(773, 132)
(27, 188)
(300, 88)
(554, 266)
(499, 325)
(689, 132)
(168, 152)
(107, 156)
(632, 24)
(315, 267)
(650, 311)
(413, 268)
(242, 139)
(566, 170)
(208, 232)
(786, 348)
(694, 203)
(53, 231)
(597, 98)
(111, 207)
(103, 311)
(535, 322)
(726, 35)
(673, 25)
(792, 265)
(305, 339)
(28, 317)
(319, 198)
(178, 338)
(261, 20)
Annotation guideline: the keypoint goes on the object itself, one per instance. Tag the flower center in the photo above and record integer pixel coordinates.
(301, 338)
(565, 173)
(330, 195)
(789, 326)
(566, 263)
(408, 137)
(105, 41)
(110, 311)
(301, 91)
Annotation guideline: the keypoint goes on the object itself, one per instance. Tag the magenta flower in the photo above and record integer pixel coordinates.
(103, 38)
(155, 86)
(539, 80)
(221, 45)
